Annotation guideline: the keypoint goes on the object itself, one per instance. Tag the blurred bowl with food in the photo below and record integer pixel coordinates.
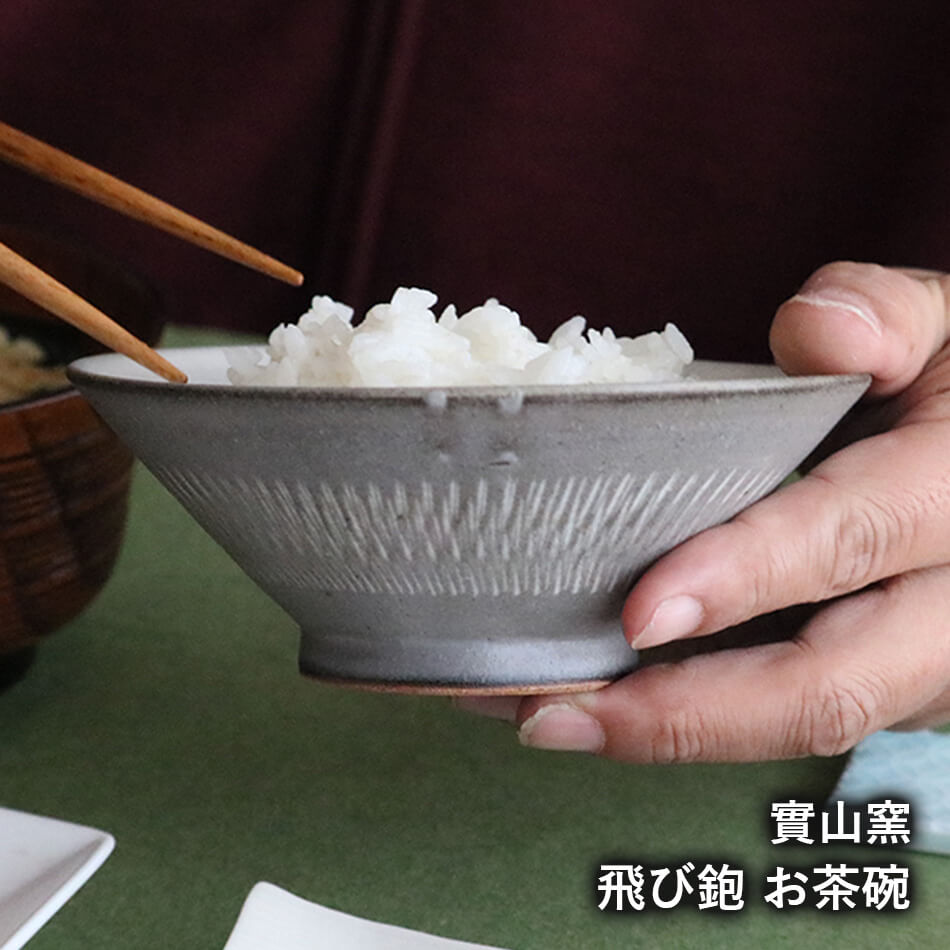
(64, 474)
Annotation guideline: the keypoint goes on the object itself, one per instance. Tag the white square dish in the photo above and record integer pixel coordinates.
(274, 918)
(43, 862)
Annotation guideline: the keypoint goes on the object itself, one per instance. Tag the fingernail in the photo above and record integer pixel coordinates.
(675, 618)
(564, 728)
(493, 707)
(833, 300)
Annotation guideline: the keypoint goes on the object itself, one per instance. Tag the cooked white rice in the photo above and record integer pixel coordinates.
(403, 343)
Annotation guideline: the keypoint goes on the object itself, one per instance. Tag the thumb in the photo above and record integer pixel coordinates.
(863, 318)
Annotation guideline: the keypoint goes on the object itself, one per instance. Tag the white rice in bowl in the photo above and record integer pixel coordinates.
(404, 343)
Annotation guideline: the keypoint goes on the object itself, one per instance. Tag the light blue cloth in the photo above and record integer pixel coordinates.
(906, 766)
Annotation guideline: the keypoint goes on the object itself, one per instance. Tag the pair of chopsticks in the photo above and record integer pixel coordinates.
(30, 281)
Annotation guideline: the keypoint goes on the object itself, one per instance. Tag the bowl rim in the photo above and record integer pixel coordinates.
(83, 373)
(28, 403)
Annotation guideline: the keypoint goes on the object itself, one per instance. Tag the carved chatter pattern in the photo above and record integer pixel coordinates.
(506, 536)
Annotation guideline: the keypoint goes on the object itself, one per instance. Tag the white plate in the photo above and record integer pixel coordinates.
(276, 919)
(43, 862)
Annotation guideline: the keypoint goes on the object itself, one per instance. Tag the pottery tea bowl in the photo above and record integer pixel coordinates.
(462, 539)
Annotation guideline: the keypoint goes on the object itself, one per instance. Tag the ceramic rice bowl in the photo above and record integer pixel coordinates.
(457, 540)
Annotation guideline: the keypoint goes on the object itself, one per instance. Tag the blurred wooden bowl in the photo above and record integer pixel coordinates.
(64, 475)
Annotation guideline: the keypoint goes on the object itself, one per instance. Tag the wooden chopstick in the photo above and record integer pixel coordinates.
(36, 285)
(56, 166)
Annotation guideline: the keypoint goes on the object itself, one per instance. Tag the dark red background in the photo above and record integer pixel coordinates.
(635, 161)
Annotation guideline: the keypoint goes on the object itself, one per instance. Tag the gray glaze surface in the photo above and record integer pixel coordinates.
(469, 539)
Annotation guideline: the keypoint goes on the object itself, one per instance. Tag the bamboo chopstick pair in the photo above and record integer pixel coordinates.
(30, 281)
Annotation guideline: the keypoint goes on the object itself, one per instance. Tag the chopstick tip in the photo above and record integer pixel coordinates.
(158, 364)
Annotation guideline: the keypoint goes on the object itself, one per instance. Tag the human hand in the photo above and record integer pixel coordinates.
(866, 533)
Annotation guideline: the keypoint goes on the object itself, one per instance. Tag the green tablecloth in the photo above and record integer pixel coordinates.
(171, 714)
